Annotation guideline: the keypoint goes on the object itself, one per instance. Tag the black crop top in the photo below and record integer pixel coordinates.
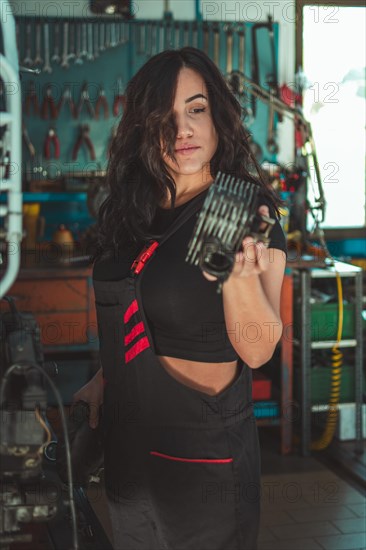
(184, 312)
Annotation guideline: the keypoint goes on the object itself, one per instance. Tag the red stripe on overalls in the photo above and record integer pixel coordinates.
(132, 308)
(136, 349)
(206, 460)
(137, 329)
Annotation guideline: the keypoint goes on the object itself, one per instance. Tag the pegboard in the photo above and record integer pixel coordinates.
(141, 39)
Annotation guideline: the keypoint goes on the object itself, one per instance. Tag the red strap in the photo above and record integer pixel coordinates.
(144, 256)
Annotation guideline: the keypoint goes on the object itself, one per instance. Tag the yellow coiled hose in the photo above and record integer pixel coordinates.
(335, 390)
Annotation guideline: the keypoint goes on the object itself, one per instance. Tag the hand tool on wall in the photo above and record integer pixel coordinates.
(271, 78)
(66, 99)
(48, 107)
(113, 35)
(107, 41)
(119, 98)
(195, 34)
(38, 59)
(84, 51)
(47, 65)
(56, 46)
(185, 34)
(65, 44)
(71, 46)
(50, 142)
(177, 35)
(28, 44)
(101, 36)
(31, 99)
(206, 37)
(78, 59)
(96, 40)
(271, 135)
(83, 138)
(216, 33)
(240, 29)
(229, 48)
(161, 37)
(148, 39)
(154, 39)
(90, 56)
(27, 141)
(101, 103)
(85, 100)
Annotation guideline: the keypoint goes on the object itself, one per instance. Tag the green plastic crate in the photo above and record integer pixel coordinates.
(320, 384)
(324, 322)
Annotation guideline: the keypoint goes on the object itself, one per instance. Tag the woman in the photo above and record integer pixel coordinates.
(182, 460)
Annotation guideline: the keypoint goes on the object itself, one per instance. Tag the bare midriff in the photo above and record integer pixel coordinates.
(210, 378)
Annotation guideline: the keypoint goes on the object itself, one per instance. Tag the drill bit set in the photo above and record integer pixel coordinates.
(228, 215)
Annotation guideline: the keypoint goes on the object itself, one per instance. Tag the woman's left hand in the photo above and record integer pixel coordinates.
(253, 259)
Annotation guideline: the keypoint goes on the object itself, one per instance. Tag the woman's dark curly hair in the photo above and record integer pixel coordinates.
(137, 178)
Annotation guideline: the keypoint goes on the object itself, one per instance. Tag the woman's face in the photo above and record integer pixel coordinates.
(196, 140)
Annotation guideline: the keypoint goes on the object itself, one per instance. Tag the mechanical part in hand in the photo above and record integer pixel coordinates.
(229, 47)
(85, 445)
(31, 99)
(83, 138)
(119, 98)
(228, 215)
(29, 144)
(48, 105)
(101, 103)
(51, 140)
(24, 433)
(85, 100)
(66, 99)
(47, 65)
(216, 33)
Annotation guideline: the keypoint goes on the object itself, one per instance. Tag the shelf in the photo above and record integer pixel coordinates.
(51, 197)
(329, 344)
(344, 270)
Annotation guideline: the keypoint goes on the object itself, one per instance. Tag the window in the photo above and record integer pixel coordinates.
(333, 62)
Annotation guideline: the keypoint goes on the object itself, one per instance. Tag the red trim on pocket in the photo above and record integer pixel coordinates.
(136, 349)
(137, 329)
(205, 460)
(132, 308)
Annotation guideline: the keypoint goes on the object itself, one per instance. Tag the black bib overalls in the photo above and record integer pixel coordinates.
(182, 467)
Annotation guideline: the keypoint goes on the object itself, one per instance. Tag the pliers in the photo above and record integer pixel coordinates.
(119, 98)
(31, 99)
(48, 105)
(83, 138)
(66, 98)
(85, 100)
(51, 139)
(101, 102)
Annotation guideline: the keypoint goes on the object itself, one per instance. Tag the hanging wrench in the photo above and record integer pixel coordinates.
(186, 34)
(148, 39)
(216, 31)
(64, 63)
(154, 39)
(271, 136)
(229, 48)
(177, 35)
(78, 58)
(47, 66)
(113, 35)
(241, 61)
(28, 45)
(194, 34)
(84, 51)
(56, 48)
(90, 55)
(161, 36)
(71, 54)
(96, 40)
(107, 42)
(206, 37)
(38, 59)
(101, 36)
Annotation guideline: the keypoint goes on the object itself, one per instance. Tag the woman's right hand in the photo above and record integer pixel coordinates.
(91, 393)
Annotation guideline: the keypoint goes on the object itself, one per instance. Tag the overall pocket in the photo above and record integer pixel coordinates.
(195, 499)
